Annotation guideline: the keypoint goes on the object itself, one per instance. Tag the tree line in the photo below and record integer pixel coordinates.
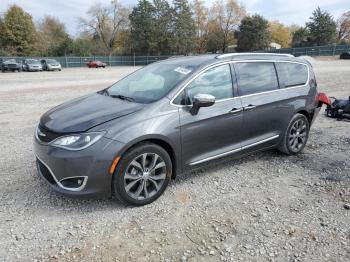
(160, 27)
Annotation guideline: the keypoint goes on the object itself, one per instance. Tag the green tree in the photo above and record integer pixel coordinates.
(162, 20)
(322, 28)
(300, 37)
(18, 34)
(184, 31)
(253, 34)
(84, 45)
(142, 26)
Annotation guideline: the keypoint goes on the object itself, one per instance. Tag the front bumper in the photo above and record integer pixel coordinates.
(34, 69)
(10, 67)
(52, 68)
(90, 165)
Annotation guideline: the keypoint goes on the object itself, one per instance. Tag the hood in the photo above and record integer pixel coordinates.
(83, 113)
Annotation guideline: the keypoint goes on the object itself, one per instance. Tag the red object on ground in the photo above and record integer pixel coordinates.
(95, 64)
(324, 99)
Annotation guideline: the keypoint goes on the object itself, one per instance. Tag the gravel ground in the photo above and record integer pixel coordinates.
(264, 207)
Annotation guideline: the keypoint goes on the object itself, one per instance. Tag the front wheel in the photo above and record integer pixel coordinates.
(142, 174)
(296, 135)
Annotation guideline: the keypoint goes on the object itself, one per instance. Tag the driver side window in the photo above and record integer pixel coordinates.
(215, 81)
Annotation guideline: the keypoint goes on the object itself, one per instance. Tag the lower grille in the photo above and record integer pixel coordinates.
(45, 172)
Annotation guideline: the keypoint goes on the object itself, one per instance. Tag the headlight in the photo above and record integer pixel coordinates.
(77, 141)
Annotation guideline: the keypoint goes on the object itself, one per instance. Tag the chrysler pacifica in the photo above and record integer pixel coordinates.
(131, 138)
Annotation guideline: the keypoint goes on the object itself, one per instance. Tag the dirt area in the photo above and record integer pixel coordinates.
(264, 207)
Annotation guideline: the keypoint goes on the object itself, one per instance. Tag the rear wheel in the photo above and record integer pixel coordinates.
(142, 175)
(296, 135)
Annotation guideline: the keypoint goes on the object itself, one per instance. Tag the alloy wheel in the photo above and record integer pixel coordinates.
(144, 176)
(297, 135)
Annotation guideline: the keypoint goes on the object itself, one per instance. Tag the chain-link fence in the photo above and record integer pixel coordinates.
(69, 61)
(329, 50)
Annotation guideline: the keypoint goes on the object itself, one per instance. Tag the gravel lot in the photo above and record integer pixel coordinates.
(264, 207)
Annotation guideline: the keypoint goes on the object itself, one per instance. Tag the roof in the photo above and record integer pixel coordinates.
(203, 60)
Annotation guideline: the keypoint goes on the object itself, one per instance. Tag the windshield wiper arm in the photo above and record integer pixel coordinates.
(127, 98)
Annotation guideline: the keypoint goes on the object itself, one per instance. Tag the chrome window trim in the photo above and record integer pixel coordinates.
(235, 97)
(59, 182)
(233, 151)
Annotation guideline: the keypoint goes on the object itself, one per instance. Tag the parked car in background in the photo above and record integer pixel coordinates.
(169, 117)
(10, 65)
(95, 64)
(51, 65)
(345, 55)
(31, 65)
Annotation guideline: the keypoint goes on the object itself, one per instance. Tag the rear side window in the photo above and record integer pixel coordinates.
(291, 74)
(256, 77)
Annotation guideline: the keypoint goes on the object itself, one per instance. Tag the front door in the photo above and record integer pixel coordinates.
(216, 130)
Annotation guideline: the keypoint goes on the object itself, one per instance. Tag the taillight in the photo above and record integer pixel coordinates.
(322, 98)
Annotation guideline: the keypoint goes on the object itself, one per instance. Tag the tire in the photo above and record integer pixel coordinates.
(133, 191)
(296, 135)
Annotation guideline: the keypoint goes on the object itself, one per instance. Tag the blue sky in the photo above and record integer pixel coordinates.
(286, 11)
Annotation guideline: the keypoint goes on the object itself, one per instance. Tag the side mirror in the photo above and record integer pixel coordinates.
(201, 100)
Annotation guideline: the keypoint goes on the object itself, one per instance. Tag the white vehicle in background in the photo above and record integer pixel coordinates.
(51, 65)
(31, 65)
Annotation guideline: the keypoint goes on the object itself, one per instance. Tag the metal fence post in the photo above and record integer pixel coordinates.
(134, 59)
(66, 61)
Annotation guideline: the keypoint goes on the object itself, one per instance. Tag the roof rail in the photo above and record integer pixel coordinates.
(252, 54)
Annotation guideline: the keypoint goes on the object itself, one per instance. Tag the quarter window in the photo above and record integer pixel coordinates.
(216, 81)
(291, 74)
(256, 77)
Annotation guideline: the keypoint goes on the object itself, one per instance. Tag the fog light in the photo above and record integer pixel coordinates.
(73, 183)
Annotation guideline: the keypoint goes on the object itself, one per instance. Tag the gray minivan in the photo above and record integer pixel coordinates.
(131, 138)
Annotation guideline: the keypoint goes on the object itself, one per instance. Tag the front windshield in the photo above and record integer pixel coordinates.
(150, 83)
(32, 61)
(10, 61)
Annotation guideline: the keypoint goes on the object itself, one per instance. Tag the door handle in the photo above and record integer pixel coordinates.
(249, 107)
(236, 110)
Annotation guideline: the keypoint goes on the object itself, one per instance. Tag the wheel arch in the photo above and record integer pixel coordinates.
(307, 114)
(163, 143)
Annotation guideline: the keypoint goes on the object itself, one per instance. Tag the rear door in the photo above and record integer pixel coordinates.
(216, 130)
(258, 89)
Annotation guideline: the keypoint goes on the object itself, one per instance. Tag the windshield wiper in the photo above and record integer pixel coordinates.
(127, 98)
